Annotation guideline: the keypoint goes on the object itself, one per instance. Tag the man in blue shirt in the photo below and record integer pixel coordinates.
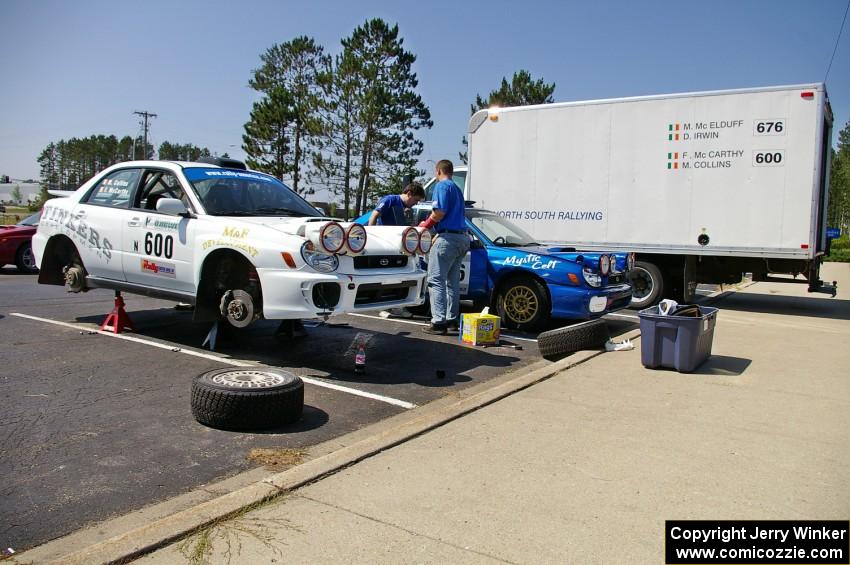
(390, 209)
(447, 252)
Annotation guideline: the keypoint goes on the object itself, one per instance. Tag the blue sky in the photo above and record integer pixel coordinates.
(81, 68)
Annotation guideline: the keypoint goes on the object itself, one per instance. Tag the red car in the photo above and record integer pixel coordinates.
(15, 244)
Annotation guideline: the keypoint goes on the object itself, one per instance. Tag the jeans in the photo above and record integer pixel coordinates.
(444, 263)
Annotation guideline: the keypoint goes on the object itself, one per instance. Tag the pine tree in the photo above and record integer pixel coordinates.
(389, 108)
(521, 91)
(291, 71)
(340, 131)
(265, 139)
(169, 151)
(65, 165)
(838, 212)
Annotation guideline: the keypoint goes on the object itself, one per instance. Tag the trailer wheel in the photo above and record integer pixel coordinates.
(523, 304)
(647, 285)
(247, 399)
(561, 342)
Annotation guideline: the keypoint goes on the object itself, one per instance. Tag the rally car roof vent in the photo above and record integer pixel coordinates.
(224, 162)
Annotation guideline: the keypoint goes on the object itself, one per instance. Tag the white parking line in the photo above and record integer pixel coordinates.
(224, 360)
(398, 321)
(87, 328)
(623, 316)
(364, 394)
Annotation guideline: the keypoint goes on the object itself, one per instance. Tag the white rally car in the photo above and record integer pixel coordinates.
(237, 244)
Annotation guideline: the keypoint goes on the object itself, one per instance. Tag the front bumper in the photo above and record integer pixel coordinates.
(301, 294)
(8, 250)
(581, 303)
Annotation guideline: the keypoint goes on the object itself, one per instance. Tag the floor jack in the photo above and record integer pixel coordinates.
(117, 320)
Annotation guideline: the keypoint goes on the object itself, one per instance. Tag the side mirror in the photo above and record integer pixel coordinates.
(171, 206)
(476, 244)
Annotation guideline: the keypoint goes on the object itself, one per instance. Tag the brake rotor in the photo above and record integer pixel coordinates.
(237, 307)
(74, 278)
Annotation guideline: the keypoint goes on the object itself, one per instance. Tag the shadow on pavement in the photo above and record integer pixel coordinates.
(312, 418)
(393, 357)
(817, 307)
(13, 270)
(723, 365)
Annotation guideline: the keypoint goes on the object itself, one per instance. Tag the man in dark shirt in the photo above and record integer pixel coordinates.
(390, 212)
(390, 208)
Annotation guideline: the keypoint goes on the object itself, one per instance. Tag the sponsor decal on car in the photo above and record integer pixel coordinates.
(238, 233)
(235, 239)
(154, 223)
(234, 174)
(531, 261)
(159, 268)
(78, 230)
(250, 250)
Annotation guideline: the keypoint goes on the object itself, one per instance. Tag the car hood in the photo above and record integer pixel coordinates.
(7, 231)
(379, 239)
(560, 252)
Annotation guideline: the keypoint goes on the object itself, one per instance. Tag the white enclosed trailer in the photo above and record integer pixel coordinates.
(703, 186)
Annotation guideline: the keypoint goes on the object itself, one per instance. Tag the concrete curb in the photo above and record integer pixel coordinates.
(136, 540)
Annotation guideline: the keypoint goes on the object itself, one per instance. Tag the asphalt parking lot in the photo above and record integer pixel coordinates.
(96, 426)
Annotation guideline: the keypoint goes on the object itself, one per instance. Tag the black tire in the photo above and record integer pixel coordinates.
(647, 285)
(247, 399)
(555, 344)
(25, 260)
(523, 304)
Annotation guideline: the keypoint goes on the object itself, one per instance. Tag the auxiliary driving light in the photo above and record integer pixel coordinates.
(332, 237)
(604, 265)
(425, 240)
(356, 238)
(410, 240)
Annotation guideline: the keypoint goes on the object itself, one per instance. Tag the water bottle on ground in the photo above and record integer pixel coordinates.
(360, 359)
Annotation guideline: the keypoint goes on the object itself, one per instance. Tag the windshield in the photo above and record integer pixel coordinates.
(228, 192)
(500, 231)
(31, 220)
(458, 177)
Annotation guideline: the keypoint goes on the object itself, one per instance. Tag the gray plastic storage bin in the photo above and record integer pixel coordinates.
(676, 342)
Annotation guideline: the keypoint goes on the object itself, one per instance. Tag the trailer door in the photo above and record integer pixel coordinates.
(823, 181)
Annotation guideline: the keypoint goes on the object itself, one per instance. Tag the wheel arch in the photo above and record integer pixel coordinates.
(504, 278)
(206, 303)
(58, 253)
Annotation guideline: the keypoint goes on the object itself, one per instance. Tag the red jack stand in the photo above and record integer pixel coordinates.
(117, 320)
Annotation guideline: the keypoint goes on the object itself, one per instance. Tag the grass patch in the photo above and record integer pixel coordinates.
(277, 458)
(9, 219)
(229, 532)
(839, 250)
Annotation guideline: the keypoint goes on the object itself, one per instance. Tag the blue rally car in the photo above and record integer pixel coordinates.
(528, 283)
